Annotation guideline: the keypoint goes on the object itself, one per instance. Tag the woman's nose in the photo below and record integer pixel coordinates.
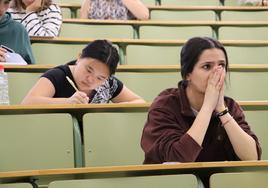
(90, 79)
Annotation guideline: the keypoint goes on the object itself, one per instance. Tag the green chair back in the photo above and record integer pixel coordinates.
(251, 54)
(16, 185)
(191, 2)
(58, 53)
(247, 85)
(96, 31)
(170, 181)
(153, 55)
(19, 84)
(242, 179)
(112, 139)
(244, 15)
(243, 33)
(69, 1)
(183, 15)
(149, 85)
(174, 32)
(231, 3)
(36, 141)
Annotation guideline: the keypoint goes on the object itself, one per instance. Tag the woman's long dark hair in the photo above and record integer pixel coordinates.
(192, 50)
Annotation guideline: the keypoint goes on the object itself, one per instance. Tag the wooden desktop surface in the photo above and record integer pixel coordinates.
(97, 108)
(141, 170)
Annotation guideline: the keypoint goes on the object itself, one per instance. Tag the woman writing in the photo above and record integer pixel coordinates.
(89, 79)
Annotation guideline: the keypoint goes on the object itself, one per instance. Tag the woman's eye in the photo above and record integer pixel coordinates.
(100, 79)
(222, 65)
(206, 67)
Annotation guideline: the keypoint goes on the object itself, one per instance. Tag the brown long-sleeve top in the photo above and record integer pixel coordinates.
(170, 116)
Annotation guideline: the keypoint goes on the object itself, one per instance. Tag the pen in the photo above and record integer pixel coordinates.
(72, 83)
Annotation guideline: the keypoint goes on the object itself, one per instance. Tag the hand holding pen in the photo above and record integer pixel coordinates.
(78, 97)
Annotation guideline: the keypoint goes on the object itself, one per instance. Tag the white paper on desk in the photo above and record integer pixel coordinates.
(14, 59)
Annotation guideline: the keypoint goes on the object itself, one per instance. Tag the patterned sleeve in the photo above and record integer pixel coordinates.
(45, 23)
(116, 86)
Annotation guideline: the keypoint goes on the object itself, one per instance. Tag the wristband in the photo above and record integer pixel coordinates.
(223, 112)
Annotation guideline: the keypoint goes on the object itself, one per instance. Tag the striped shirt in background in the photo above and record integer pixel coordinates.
(44, 23)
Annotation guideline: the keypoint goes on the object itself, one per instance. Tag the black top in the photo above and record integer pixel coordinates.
(63, 89)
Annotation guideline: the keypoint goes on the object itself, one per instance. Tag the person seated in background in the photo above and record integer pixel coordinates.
(253, 2)
(92, 80)
(40, 17)
(114, 10)
(13, 35)
(196, 122)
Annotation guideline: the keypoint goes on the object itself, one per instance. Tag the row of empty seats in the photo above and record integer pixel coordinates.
(194, 13)
(175, 2)
(164, 29)
(162, 2)
(144, 52)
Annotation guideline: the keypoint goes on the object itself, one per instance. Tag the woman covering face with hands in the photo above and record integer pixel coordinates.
(196, 122)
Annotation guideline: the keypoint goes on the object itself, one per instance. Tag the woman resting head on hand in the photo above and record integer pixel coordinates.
(196, 122)
(114, 10)
(92, 80)
(39, 17)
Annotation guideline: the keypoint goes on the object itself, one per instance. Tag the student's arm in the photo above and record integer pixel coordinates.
(85, 7)
(244, 145)
(137, 8)
(48, 25)
(2, 54)
(43, 92)
(127, 96)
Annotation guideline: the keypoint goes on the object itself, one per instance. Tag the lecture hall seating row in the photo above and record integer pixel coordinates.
(132, 51)
(223, 30)
(139, 78)
(52, 128)
(196, 13)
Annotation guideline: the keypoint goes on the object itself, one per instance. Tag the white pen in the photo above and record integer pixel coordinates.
(72, 83)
